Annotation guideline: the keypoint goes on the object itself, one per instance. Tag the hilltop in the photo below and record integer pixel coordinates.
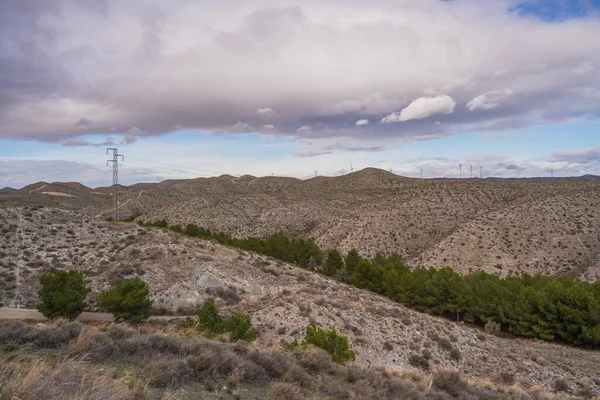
(282, 299)
(541, 225)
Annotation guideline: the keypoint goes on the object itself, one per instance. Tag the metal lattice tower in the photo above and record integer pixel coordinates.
(115, 179)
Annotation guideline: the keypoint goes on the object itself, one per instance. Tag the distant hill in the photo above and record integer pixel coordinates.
(505, 226)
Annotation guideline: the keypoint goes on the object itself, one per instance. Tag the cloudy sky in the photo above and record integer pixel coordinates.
(198, 88)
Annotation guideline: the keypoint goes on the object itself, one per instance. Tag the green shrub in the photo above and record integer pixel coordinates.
(62, 294)
(330, 341)
(209, 318)
(240, 327)
(492, 327)
(127, 300)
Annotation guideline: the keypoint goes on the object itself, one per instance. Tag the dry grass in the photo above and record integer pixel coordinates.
(69, 380)
(117, 362)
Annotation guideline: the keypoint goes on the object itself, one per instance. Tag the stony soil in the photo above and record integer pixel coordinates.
(549, 226)
(282, 300)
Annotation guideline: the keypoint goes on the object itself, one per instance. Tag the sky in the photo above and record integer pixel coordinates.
(199, 88)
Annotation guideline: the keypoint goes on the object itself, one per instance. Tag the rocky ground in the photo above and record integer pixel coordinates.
(549, 226)
(282, 300)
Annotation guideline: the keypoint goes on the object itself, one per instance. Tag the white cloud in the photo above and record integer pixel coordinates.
(362, 122)
(265, 112)
(489, 100)
(241, 127)
(268, 127)
(304, 129)
(178, 52)
(422, 107)
(131, 136)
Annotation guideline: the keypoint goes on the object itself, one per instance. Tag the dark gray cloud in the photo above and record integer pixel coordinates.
(308, 70)
(582, 156)
(83, 122)
(510, 167)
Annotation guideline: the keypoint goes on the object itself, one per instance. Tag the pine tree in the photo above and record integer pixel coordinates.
(62, 294)
(209, 318)
(128, 300)
(352, 259)
(333, 263)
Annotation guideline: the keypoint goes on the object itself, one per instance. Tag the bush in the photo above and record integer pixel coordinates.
(209, 318)
(418, 361)
(128, 300)
(492, 327)
(62, 294)
(451, 382)
(240, 327)
(330, 341)
(284, 391)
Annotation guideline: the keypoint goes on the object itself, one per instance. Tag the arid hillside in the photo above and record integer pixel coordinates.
(549, 226)
(282, 300)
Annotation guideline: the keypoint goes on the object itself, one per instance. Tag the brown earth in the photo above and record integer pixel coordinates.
(549, 226)
(282, 300)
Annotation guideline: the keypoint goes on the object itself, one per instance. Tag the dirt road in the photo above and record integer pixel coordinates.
(22, 313)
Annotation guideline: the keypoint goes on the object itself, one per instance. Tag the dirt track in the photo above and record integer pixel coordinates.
(22, 313)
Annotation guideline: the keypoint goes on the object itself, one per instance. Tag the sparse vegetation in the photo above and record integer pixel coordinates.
(116, 361)
(178, 264)
(524, 305)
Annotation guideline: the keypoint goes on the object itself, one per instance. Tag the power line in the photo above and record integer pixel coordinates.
(169, 168)
(184, 167)
(41, 176)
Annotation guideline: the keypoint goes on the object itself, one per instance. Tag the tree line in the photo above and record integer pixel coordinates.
(560, 309)
(303, 252)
